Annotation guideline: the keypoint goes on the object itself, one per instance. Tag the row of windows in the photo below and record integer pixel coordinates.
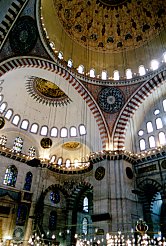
(154, 65)
(158, 121)
(10, 178)
(17, 145)
(68, 162)
(44, 130)
(152, 142)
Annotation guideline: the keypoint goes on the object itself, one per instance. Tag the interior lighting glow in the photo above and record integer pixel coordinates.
(154, 64)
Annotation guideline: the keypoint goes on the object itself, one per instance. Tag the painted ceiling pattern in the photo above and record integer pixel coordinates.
(46, 92)
(129, 24)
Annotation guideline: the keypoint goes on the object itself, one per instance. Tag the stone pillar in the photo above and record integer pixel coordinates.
(114, 204)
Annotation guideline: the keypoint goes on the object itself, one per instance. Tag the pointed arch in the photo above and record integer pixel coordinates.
(25, 62)
(132, 105)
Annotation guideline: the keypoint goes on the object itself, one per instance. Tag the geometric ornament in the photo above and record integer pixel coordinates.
(111, 99)
(23, 36)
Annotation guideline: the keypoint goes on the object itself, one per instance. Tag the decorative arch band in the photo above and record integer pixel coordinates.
(52, 67)
(132, 105)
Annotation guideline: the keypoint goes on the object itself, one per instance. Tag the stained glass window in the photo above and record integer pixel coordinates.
(18, 143)
(85, 226)
(52, 220)
(10, 176)
(32, 151)
(21, 215)
(3, 140)
(28, 181)
(55, 196)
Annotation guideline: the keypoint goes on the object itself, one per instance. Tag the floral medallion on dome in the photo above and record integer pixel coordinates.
(111, 25)
(111, 99)
(23, 36)
(46, 92)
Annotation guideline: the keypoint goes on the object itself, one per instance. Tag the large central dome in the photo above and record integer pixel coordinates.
(106, 34)
(111, 30)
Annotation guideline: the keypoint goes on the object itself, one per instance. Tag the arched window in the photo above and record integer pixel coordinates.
(85, 226)
(60, 161)
(63, 132)
(54, 132)
(81, 69)
(156, 112)
(140, 133)
(149, 127)
(60, 55)
(68, 163)
(53, 158)
(10, 176)
(3, 140)
(28, 181)
(162, 139)
(142, 144)
(164, 104)
(104, 75)
(25, 124)
(154, 64)
(16, 120)
(116, 75)
(82, 129)
(76, 163)
(52, 45)
(70, 63)
(55, 196)
(152, 143)
(9, 114)
(32, 151)
(3, 107)
(52, 221)
(21, 215)
(159, 123)
(92, 73)
(141, 70)
(18, 143)
(34, 128)
(128, 74)
(73, 131)
(85, 204)
(44, 130)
